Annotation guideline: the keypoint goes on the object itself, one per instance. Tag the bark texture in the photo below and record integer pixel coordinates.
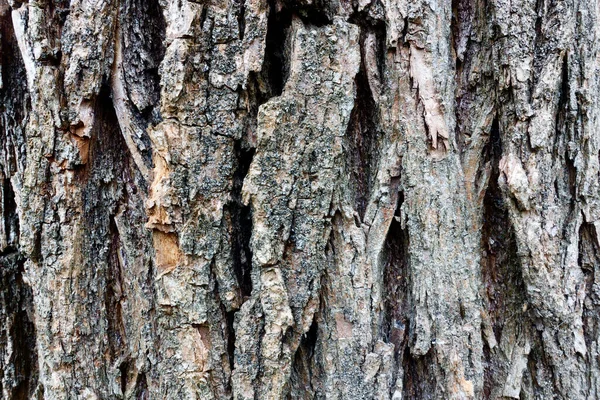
(299, 199)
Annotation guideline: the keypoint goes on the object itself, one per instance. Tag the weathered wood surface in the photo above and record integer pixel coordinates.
(299, 199)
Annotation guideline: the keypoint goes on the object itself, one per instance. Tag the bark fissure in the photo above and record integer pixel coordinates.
(589, 262)
(276, 62)
(418, 378)
(505, 301)
(241, 222)
(19, 372)
(18, 354)
(396, 315)
(361, 134)
(364, 135)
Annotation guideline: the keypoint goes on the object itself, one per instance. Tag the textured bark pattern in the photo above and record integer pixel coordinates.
(299, 199)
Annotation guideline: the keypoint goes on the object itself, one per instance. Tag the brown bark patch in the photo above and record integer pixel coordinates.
(167, 251)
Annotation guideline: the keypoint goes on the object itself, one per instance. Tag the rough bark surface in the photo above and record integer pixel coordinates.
(299, 199)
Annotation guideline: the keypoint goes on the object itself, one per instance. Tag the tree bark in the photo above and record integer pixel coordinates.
(299, 199)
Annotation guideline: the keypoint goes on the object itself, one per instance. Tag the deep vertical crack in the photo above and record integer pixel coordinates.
(276, 62)
(363, 133)
(501, 270)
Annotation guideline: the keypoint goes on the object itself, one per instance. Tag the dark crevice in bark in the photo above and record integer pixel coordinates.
(260, 333)
(203, 17)
(113, 294)
(370, 25)
(124, 371)
(367, 17)
(455, 36)
(488, 371)
(396, 311)
(18, 351)
(421, 111)
(491, 154)
(395, 280)
(565, 182)
(307, 380)
(363, 133)
(230, 333)
(257, 93)
(419, 375)
(404, 35)
(271, 80)
(241, 222)
(108, 156)
(220, 328)
(359, 134)
(141, 387)
(538, 20)
(36, 252)
(59, 9)
(241, 18)
(18, 373)
(276, 66)
(143, 34)
(110, 184)
(302, 371)
(504, 289)
(468, 88)
(276, 63)
(103, 192)
(460, 28)
(14, 100)
(589, 262)
(572, 180)
(309, 340)
(560, 122)
(10, 216)
(589, 251)
(314, 16)
(317, 13)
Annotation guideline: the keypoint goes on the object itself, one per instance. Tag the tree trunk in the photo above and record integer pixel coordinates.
(299, 199)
